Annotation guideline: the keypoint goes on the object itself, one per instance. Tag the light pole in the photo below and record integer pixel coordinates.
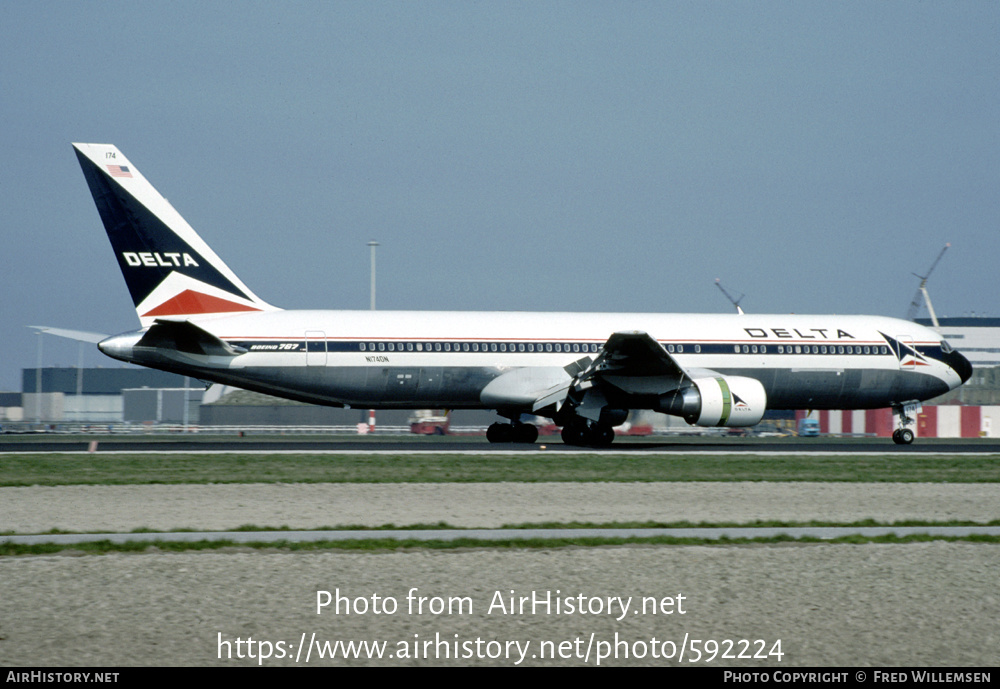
(372, 244)
(38, 382)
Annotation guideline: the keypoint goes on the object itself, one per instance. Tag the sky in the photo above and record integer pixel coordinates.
(550, 156)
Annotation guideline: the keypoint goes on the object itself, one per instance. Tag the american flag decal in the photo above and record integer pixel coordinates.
(119, 171)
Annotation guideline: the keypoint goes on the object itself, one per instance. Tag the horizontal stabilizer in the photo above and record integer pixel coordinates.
(78, 335)
(184, 336)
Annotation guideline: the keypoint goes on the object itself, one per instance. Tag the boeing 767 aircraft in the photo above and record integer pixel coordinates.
(585, 371)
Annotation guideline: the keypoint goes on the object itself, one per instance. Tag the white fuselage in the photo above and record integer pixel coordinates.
(424, 358)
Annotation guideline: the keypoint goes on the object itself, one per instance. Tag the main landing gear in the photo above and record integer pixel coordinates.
(579, 432)
(512, 433)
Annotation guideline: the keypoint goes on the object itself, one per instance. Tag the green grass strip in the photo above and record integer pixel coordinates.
(126, 469)
(442, 526)
(382, 545)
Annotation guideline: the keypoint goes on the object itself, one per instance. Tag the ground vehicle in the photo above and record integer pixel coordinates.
(808, 428)
(429, 422)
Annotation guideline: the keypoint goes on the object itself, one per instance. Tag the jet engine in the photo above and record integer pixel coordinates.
(720, 401)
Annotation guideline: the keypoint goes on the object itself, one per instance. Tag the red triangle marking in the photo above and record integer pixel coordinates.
(188, 302)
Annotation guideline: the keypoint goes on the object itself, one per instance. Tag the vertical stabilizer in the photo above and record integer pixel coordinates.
(170, 271)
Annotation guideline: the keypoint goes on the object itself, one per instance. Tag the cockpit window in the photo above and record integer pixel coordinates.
(946, 348)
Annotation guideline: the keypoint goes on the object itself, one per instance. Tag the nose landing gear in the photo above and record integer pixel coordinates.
(904, 414)
(902, 436)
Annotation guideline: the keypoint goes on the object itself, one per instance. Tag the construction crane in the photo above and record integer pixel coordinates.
(922, 290)
(734, 300)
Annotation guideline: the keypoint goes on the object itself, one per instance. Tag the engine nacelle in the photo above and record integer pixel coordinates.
(721, 401)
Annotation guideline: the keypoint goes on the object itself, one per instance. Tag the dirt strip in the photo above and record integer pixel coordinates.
(829, 605)
(486, 505)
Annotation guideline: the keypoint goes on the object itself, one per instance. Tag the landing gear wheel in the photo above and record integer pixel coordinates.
(601, 435)
(574, 434)
(903, 436)
(500, 433)
(524, 433)
(594, 435)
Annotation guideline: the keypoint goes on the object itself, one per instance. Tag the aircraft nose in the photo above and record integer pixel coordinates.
(961, 365)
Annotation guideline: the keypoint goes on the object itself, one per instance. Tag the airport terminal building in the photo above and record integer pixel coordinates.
(102, 395)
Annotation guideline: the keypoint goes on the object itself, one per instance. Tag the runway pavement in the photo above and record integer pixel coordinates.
(397, 444)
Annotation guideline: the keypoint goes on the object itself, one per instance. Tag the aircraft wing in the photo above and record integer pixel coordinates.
(630, 363)
(636, 354)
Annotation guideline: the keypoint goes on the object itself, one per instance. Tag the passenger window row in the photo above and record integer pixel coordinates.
(546, 347)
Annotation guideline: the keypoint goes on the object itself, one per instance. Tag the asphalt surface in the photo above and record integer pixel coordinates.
(45, 443)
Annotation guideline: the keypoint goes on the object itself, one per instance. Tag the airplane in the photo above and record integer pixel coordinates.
(585, 371)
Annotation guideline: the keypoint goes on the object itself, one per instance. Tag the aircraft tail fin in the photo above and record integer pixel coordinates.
(170, 271)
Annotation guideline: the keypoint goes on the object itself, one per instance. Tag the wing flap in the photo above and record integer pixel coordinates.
(636, 354)
(632, 363)
(636, 364)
